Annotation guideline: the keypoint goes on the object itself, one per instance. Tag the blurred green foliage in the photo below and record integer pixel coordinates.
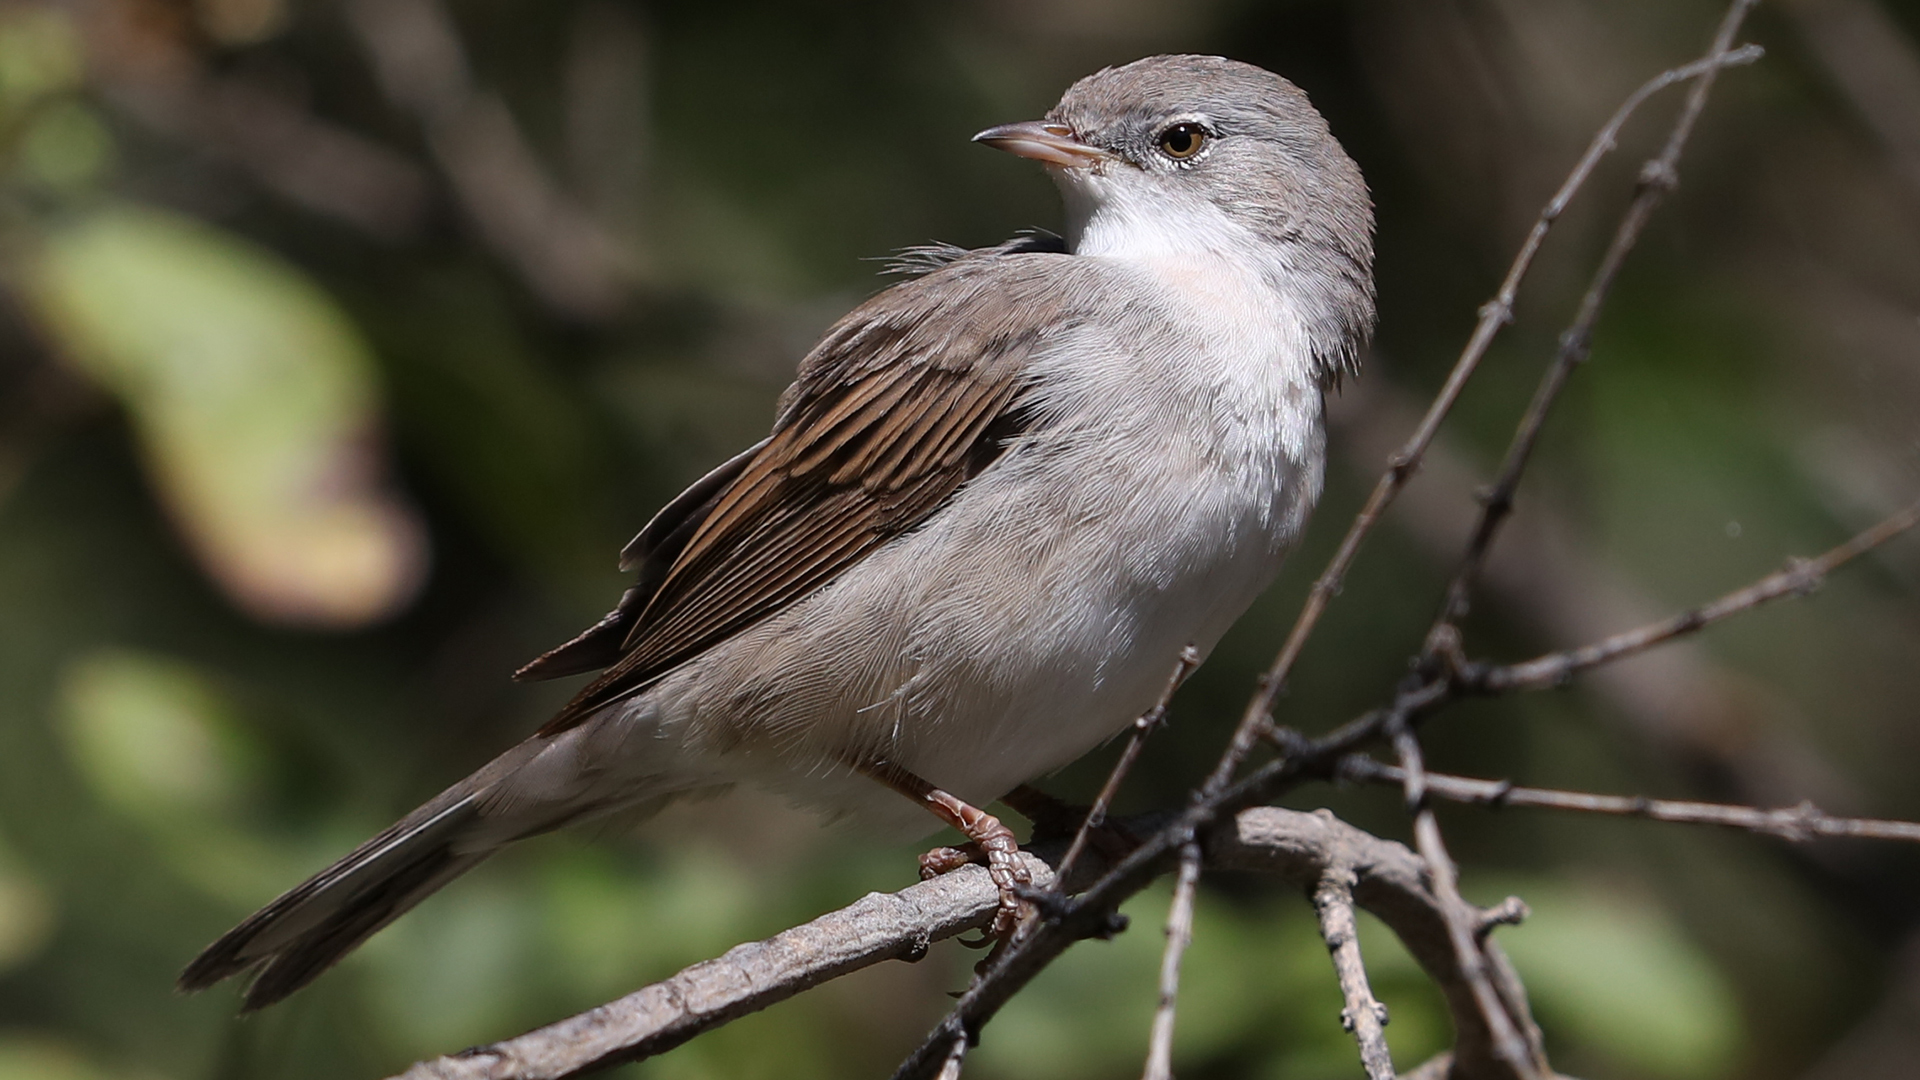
(299, 458)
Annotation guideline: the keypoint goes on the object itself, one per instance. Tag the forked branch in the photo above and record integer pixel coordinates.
(1299, 848)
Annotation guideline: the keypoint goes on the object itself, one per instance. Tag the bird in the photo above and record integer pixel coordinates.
(1000, 501)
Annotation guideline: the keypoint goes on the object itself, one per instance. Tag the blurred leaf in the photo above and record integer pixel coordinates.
(39, 55)
(1617, 974)
(255, 403)
(25, 1057)
(158, 741)
(26, 913)
(66, 146)
(455, 971)
(152, 735)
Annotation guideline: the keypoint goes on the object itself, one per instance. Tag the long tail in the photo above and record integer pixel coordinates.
(535, 787)
(301, 934)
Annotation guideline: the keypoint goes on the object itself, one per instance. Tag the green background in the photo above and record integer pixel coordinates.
(301, 454)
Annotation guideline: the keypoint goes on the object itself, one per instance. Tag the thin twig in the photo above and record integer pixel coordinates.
(1507, 1043)
(1363, 1015)
(1148, 722)
(956, 1060)
(1505, 1013)
(1179, 936)
(1417, 697)
(1796, 823)
(1798, 578)
(1658, 176)
(1095, 912)
(1494, 315)
(1463, 920)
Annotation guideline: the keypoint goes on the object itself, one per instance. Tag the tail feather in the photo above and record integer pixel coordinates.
(301, 934)
(535, 787)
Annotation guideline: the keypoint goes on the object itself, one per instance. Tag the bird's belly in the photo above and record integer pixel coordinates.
(1074, 643)
(1025, 624)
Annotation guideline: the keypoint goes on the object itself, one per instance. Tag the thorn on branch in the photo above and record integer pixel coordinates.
(1380, 1016)
(1804, 576)
(1495, 499)
(1659, 173)
(1576, 342)
(1509, 912)
(1442, 652)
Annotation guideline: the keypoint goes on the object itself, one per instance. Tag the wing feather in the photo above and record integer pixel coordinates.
(891, 413)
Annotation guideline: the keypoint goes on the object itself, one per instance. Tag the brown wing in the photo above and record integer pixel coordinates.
(904, 400)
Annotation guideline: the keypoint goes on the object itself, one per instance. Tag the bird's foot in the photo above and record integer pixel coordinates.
(1010, 877)
(945, 860)
(998, 850)
(986, 833)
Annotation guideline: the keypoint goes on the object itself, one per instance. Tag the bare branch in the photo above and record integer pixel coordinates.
(1679, 700)
(746, 979)
(1796, 823)
(1798, 578)
(1657, 177)
(956, 1060)
(1364, 1015)
(1525, 1057)
(1179, 936)
(1148, 722)
(1299, 848)
(1494, 315)
(1392, 883)
(1095, 911)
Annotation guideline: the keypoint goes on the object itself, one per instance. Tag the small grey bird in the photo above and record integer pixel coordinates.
(998, 502)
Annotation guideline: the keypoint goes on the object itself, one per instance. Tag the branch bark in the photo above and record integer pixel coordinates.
(1301, 848)
(1179, 935)
(1363, 1015)
(1799, 823)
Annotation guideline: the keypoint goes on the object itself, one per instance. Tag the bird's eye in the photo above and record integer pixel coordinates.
(1182, 141)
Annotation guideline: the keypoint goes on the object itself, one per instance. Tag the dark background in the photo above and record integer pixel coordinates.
(344, 345)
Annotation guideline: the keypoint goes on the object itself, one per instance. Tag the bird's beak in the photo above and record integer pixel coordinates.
(1052, 144)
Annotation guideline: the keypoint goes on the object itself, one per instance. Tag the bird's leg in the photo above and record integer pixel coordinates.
(994, 840)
